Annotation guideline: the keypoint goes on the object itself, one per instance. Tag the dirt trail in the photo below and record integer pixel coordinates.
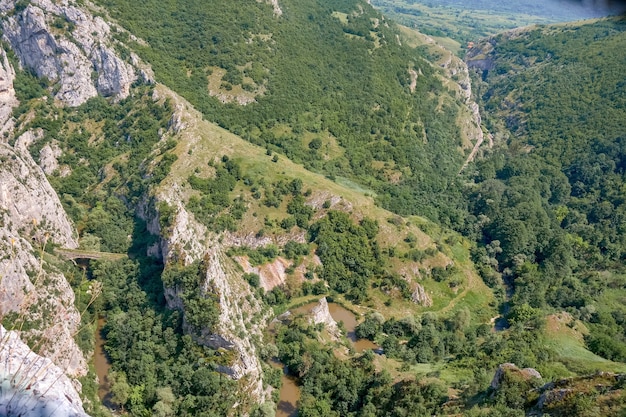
(473, 283)
(472, 154)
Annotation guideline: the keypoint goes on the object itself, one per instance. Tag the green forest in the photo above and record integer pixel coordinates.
(357, 97)
(549, 201)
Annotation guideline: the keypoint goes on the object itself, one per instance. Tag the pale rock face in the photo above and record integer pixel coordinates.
(232, 307)
(7, 93)
(321, 314)
(27, 197)
(526, 373)
(48, 158)
(31, 217)
(241, 317)
(187, 241)
(32, 385)
(420, 296)
(83, 63)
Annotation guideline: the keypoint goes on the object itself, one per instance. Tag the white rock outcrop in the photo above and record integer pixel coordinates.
(48, 158)
(321, 314)
(526, 374)
(186, 241)
(69, 46)
(420, 296)
(32, 218)
(7, 93)
(31, 385)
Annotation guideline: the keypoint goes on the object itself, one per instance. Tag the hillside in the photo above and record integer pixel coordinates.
(553, 223)
(185, 190)
(372, 110)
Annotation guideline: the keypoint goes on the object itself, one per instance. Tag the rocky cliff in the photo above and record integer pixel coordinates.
(32, 385)
(70, 47)
(238, 308)
(31, 219)
(186, 240)
(31, 287)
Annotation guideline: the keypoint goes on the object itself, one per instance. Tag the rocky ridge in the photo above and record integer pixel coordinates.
(186, 240)
(7, 93)
(31, 218)
(455, 75)
(32, 385)
(70, 47)
(237, 305)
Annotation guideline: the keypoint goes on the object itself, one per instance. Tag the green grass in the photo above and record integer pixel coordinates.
(354, 186)
(203, 141)
(568, 343)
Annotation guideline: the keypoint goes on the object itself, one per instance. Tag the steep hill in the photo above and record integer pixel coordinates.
(329, 86)
(282, 160)
(548, 194)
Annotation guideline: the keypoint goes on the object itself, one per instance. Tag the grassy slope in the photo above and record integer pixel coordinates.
(566, 336)
(202, 141)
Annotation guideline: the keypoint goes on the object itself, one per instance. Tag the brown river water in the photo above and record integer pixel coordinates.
(289, 392)
(102, 365)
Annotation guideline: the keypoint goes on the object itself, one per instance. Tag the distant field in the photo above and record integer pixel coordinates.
(467, 21)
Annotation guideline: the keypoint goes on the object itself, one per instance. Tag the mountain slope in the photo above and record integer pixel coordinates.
(553, 215)
(215, 233)
(331, 87)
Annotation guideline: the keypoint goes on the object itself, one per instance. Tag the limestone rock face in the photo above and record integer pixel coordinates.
(526, 373)
(420, 296)
(27, 197)
(33, 385)
(321, 314)
(237, 307)
(48, 158)
(68, 46)
(241, 316)
(32, 218)
(7, 93)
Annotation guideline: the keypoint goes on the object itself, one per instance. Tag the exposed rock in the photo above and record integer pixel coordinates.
(233, 304)
(31, 217)
(552, 396)
(271, 275)
(413, 75)
(27, 197)
(277, 10)
(32, 385)
(48, 158)
(321, 314)
(7, 93)
(249, 240)
(65, 44)
(420, 296)
(503, 369)
(186, 241)
(603, 384)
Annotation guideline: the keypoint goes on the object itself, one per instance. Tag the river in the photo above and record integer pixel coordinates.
(102, 366)
(289, 391)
